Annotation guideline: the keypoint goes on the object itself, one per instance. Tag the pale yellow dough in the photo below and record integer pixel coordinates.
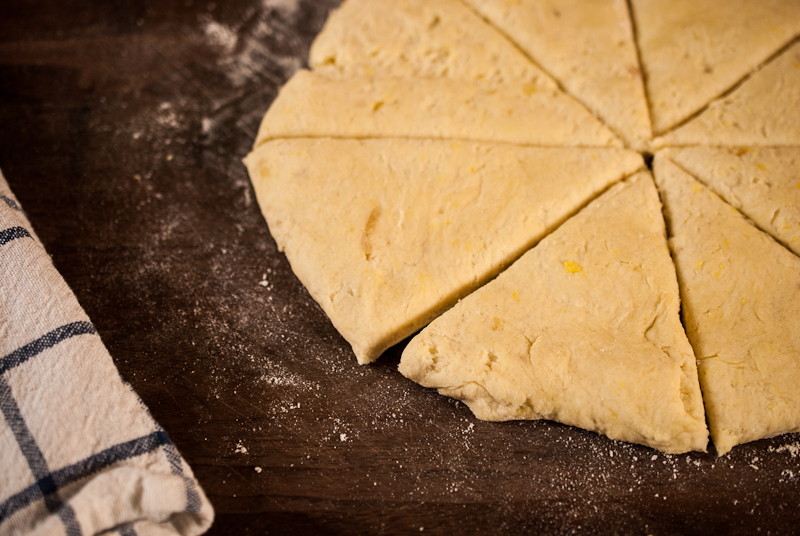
(764, 183)
(311, 105)
(763, 110)
(692, 51)
(584, 329)
(419, 38)
(739, 292)
(387, 234)
(434, 143)
(589, 48)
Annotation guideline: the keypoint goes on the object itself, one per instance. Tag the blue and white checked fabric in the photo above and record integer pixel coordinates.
(79, 452)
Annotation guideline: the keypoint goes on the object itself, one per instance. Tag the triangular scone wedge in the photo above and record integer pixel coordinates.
(311, 105)
(419, 38)
(694, 51)
(583, 329)
(763, 110)
(387, 234)
(739, 290)
(589, 48)
(764, 183)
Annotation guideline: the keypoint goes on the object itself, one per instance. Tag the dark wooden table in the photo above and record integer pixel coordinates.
(122, 128)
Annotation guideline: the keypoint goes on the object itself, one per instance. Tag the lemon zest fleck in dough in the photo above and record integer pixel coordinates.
(572, 267)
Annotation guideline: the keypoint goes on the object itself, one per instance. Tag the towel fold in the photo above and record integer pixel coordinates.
(79, 452)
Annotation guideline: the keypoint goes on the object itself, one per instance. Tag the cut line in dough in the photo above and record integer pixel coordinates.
(387, 234)
(739, 294)
(583, 329)
(311, 105)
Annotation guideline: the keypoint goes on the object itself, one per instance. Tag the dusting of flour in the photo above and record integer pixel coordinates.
(288, 9)
(247, 52)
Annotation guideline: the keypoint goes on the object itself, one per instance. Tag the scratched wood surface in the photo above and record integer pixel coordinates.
(122, 127)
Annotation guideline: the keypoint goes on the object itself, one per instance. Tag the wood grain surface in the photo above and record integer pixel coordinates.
(122, 128)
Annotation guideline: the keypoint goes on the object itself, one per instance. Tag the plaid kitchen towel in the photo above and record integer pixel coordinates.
(79, 452)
